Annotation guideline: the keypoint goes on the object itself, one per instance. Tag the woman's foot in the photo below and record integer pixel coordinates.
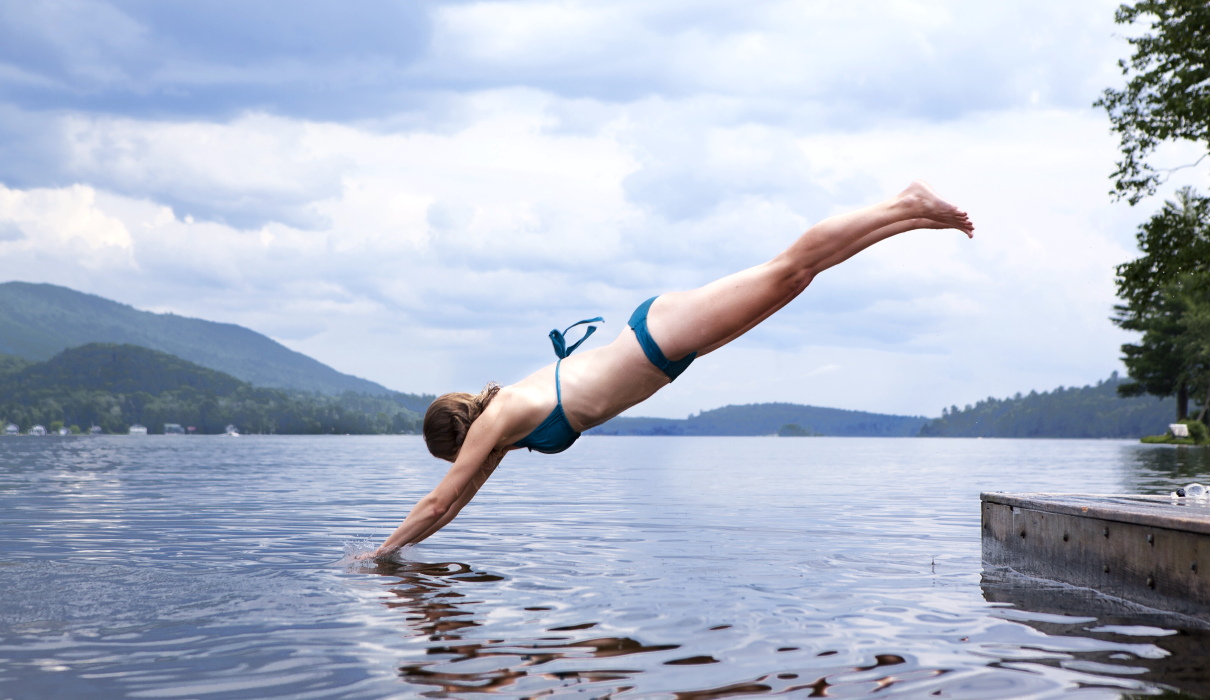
(921, 223)
(928, 205)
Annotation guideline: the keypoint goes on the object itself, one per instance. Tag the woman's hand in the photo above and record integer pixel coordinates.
(372, 554)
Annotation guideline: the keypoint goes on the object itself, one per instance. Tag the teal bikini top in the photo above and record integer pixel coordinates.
(555, 434)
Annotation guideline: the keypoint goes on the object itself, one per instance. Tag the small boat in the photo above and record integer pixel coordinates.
(231, 431)
(137, 429)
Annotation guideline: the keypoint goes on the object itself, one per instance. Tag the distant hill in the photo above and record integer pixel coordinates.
(1085, 412)
(115, 386)
(122, 369)
(38, 321)
(770, 419)
(12, 363)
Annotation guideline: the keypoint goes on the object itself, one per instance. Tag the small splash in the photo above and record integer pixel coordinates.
(359, 547)
(1197, 492)
(359, 554)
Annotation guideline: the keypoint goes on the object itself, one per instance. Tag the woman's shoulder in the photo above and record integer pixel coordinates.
(518, 409)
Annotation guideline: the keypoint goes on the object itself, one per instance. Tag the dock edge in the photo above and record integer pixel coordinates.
(1143, 549)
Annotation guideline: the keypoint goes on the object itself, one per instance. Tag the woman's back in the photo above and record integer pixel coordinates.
(588, 384)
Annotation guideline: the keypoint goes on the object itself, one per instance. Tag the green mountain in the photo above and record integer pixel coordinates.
(116, 386)
(119, 369)
(12, 363)
(770, 419)
(38, 321)
(1085, 412)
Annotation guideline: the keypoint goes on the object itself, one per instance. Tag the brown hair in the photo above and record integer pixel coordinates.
(449, 417)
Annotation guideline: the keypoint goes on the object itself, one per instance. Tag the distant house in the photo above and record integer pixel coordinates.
(173, 429)
(65, 431)
(37, 430)
(11, 429)
(95, 430)
(137, 429)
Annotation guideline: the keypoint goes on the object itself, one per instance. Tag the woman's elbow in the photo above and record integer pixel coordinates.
(436, 507)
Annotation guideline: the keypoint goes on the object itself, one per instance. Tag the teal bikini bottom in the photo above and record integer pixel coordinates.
(672, 368)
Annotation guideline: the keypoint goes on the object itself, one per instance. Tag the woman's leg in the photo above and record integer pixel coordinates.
(709, 317)
(861, 244)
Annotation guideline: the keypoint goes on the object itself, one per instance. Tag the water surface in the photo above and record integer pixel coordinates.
(172, 567)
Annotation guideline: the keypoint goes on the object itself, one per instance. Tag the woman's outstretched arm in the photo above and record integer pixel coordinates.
(476, 461)
(477, 482)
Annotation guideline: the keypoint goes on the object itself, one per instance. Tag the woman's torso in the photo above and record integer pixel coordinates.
(596, 385)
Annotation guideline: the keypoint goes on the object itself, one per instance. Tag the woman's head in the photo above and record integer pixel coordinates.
(449, 417)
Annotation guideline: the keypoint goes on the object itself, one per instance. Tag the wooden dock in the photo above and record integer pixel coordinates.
(1146, 549)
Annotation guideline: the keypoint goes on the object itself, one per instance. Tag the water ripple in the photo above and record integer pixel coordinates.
(169, 567)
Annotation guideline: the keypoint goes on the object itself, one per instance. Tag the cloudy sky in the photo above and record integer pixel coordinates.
(416, 192)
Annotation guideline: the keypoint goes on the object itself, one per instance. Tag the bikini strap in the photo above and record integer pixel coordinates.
(560, 342)
(558, 389)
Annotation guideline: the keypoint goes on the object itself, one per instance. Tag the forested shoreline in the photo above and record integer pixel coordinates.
(116, 386)
(1094, 411)
(770, 419)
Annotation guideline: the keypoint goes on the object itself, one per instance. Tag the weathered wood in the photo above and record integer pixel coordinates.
(1141, 548)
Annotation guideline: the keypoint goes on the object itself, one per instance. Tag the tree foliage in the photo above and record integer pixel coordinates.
(1193, 341)
(1166, 295)
(1167, 93)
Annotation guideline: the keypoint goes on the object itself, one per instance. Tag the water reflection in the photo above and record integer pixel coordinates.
(1160, 469)
(1106, 636)
(426, 593)
(442, 609)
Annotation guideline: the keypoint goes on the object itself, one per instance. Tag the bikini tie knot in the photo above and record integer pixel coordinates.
(559, 340)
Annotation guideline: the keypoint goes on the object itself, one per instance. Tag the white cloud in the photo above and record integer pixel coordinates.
(563, 160)
(61, 218)
(449, 255)
(849, 59)
(246, 172)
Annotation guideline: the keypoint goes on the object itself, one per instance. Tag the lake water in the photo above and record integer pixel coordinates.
(215, 567)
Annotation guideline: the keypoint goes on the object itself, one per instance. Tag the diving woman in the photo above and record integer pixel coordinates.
(548, 410)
